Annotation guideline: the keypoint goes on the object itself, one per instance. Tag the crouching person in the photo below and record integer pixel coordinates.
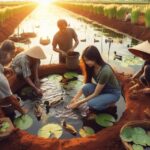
(26, 64)
(7, 99)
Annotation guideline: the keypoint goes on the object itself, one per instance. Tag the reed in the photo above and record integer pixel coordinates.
(135, 15)
(147, 17)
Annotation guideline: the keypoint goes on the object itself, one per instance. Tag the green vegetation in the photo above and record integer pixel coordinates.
(147, 17)
(135, 15)
(113, 11)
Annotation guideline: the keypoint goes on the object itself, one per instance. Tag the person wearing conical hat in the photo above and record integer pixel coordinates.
(7, 99)
(63, 40)
(142, 50)
(26, 64)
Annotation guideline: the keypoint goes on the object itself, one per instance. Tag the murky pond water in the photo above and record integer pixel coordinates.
(58, 95)
(43, 22)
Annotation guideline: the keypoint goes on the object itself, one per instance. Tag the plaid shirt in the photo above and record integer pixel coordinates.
(21, 65)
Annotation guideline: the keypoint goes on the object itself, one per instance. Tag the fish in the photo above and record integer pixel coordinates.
(38, 111)
(69, 128)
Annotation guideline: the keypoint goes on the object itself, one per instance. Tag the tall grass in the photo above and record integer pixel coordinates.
(121, 11)
(147, 17)
(135, 15)
(110, 11)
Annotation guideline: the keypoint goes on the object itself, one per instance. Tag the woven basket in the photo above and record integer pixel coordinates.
(145, 124)
(72, 60)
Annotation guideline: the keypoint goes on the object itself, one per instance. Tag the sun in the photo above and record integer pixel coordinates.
(43, 2)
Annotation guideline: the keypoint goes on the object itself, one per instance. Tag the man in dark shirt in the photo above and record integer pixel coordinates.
(64, 40)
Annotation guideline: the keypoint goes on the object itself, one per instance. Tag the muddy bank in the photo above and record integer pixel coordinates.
(10, 24)
(138, 31)
(107, 139)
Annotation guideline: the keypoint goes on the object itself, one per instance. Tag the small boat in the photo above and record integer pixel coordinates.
(28, 34)
(83, 40)
(44, 41)
(19, 39)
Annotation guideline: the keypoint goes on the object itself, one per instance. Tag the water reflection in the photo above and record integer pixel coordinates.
(43, 21)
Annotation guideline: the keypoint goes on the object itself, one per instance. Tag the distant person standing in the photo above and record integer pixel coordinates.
(63, 40)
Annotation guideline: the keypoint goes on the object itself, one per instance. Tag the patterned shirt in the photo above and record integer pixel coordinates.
(21, 65)
(5, 90)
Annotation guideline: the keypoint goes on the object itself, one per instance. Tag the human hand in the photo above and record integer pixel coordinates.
(63, 53)
(37, 83)
(39, 92)
(73, 105)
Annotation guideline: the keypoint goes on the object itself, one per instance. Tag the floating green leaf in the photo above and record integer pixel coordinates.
(4, 126)
(126, 134)
(86, 131)
(55, 77)
(105, 120)
(70, 75)
(137, 147)
(139, 139)
(139, 130)
(50, 130)
(23, 122)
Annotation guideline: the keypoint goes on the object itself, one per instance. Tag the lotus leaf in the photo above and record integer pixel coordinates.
(70, 75)
(137, 147)
(50, 130)
(105, 120)
(86, 131)
(126, 134)
(55, 78)
(23, 122)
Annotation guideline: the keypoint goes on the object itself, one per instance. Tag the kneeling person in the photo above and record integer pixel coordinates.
(27, 64)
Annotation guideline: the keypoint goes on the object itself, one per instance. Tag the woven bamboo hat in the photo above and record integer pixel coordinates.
(141, 49)
(36, 52)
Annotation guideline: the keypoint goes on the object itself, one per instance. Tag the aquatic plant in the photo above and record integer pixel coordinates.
(99, 9)
(110, 11)
(147, 17)
(135, 15)
(121, 11)
(86, 131)
(105, 120)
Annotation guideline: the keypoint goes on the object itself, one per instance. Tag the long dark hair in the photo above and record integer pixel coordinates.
(91, 53)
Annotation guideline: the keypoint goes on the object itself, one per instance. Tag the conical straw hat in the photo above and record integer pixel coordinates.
(141, 49)
(36, 52)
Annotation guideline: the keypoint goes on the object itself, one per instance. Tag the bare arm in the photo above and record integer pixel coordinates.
(138, 74)
(97, 91)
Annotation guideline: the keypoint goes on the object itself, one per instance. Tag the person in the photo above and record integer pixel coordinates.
(27, 64)
(141, 79)
(127, 16)
(64, 40)
(106, 89)
(7, 98)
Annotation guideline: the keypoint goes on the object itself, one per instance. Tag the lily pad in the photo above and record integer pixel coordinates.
(51, 130)
(4, 126)
(137, 147)
(86, 131)
(70, 75)
(139, 130)
(105, 120)
(26, 91)
(126, 134)
(55, 78)
(23, 122)
(139, 139)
